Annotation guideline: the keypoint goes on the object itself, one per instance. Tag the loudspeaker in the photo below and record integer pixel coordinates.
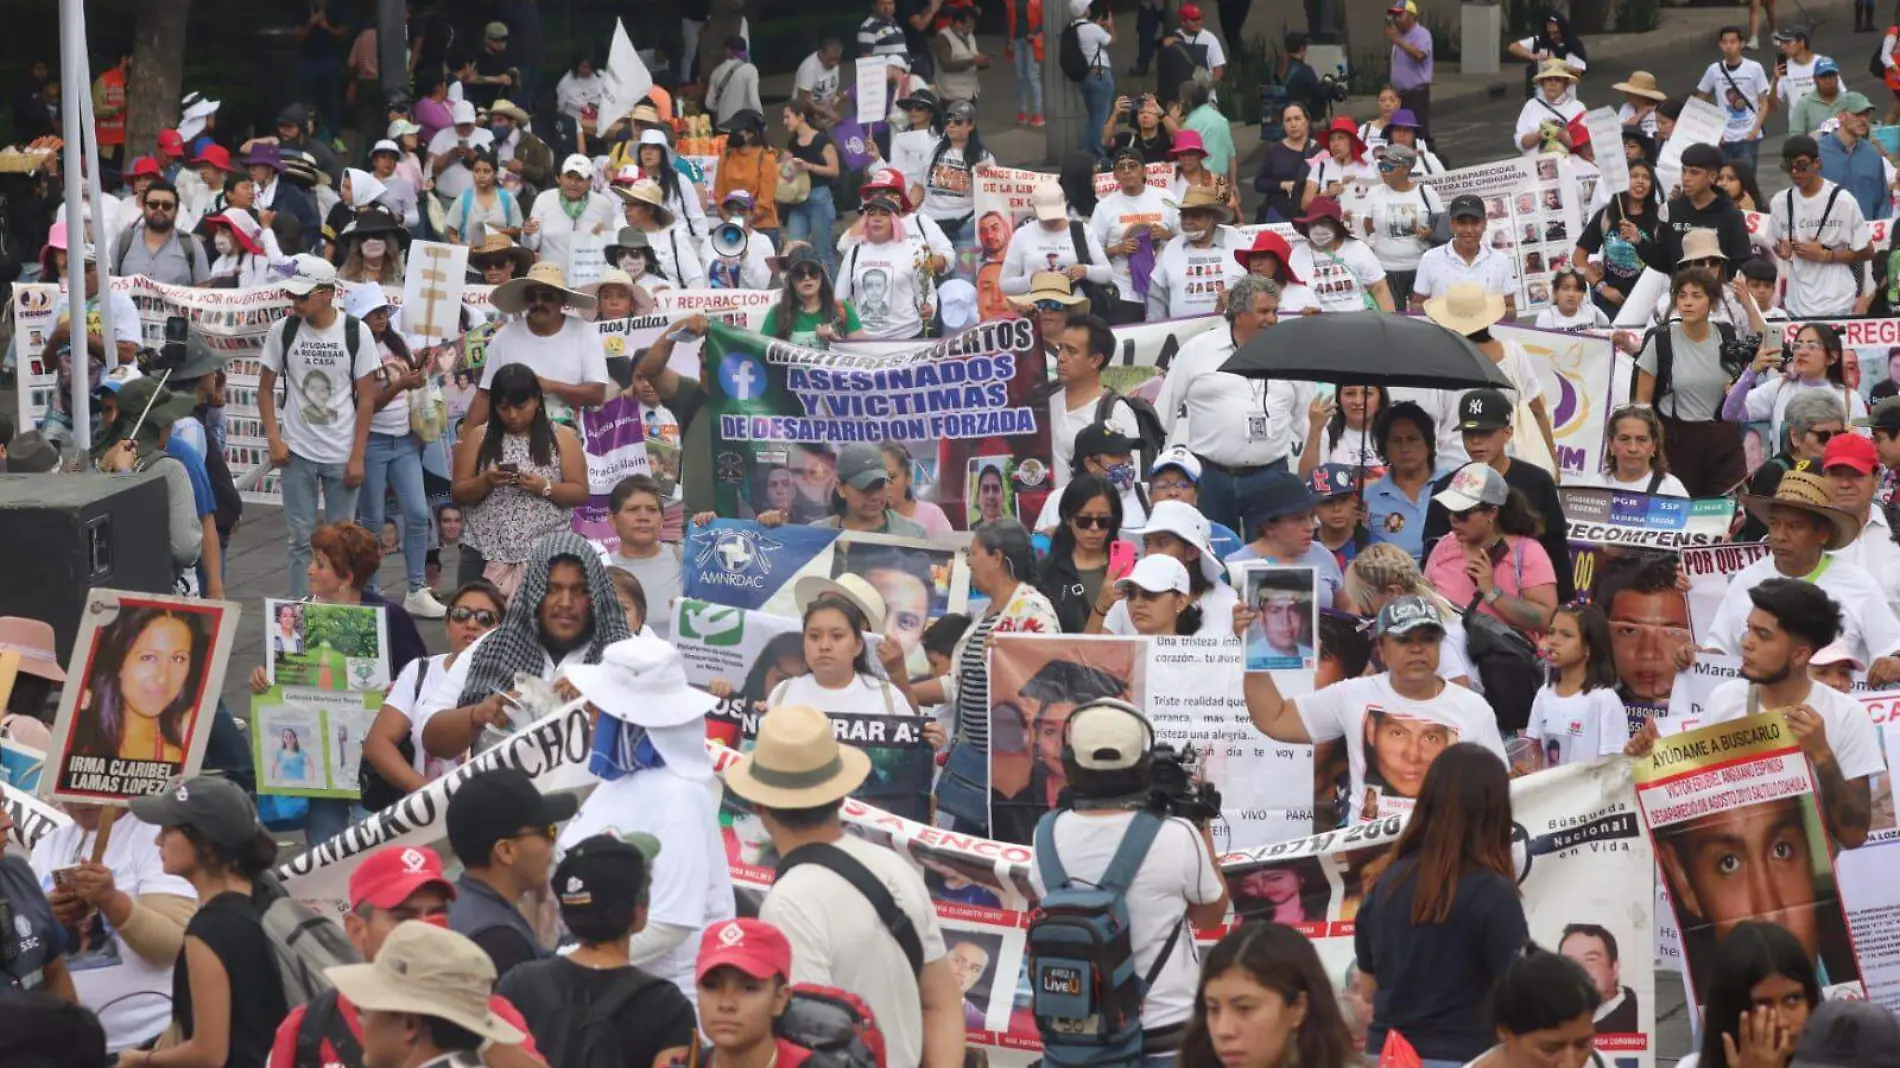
(63, 535)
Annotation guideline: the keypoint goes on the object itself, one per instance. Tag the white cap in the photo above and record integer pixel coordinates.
(1178, 457)
(957, 298)
(1184, 521)
(578, 164)
(312, 272)
(385, 145)
(1836, 653)
(402, 128)
(462, 113)
(364, 299)
(1107, 738)
(88, 254)
(1157, 573)
(1049, 204)
(1475, 485)
(655, 136)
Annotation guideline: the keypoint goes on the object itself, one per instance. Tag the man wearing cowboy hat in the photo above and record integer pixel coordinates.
(650, 753)
(1740, 88)
(564, 350)
(1804, 532)
(525, 158)
(796, 778)
(1467, 257)
(570, 215)
(1195, 268)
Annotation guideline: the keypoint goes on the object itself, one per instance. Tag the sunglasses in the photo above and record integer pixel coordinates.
(959, 122)
(542, 294)
(1051, 306)
(800, 274)
(1092, 522)
(549, 832)
(1388, 167)
(480, 615)
(1460, 517)
(162, 205)
(1793, 165)
(1825, 436)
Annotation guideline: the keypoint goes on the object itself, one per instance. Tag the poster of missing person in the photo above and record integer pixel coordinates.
(326, 646)
(308, 742)
(1532, 216)
(140, 695)
(1738, 833)
(1286, 633)
(777, 405)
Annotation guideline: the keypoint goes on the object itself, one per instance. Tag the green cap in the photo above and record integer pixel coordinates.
(1857, 103)
(496, 31)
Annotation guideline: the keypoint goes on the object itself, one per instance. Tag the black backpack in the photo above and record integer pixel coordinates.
(374, 792)
(1075, 65)
(1666, 358)
(321, 1020)
(227, 503)
(1102, 298)
(600, 1041)
(1505, 660)
(1874, 66)
(1147, 423)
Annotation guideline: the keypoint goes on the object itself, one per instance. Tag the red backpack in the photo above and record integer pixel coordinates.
(834, 1024)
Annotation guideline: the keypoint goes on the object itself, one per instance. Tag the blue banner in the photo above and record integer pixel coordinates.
(739, 563)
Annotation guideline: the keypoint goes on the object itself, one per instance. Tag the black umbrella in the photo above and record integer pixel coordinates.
(1366, 348)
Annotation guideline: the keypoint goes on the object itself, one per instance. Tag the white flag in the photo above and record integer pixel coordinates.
(627, 81)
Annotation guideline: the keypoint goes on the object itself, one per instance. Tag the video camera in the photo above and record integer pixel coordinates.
(1177, 787)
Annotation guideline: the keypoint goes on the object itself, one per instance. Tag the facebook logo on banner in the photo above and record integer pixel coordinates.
(742, 377)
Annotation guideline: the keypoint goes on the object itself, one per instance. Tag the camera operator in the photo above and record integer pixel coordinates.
(1304, 86)
(1117, 774)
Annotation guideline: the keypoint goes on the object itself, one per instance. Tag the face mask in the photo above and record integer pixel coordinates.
(1122, 476)
(1193, 234)
(223, 243)
(500, 133)
(373, 248)
(634, 264)
(1321, 236)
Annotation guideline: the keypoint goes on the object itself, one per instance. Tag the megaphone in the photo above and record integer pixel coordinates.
(729, 240)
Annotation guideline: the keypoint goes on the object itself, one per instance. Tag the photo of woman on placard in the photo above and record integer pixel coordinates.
(287, 640)
(143, 684)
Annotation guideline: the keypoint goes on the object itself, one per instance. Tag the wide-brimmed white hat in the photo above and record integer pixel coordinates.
(510, 297)
(851, 588)
(1184, 521)
(1465, 308)
(642, 680)
(797, 762)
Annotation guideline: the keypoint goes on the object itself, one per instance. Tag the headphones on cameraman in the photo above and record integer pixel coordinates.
(1147, 751)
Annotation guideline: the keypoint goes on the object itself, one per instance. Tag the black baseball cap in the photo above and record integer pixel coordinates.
(214, 806)
(1467, 206)
(606, 876)
(496, 805)
(1886, 415)
(1484, 409)
(1702, 157)
(1100, 439)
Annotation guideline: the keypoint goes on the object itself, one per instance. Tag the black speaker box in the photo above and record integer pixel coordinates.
(62, 535)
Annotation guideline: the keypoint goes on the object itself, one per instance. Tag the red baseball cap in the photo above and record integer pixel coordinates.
(170, 143)
(1850, 450)
(143, 167)
(388, 876)
(753, 946)
(1190, 12)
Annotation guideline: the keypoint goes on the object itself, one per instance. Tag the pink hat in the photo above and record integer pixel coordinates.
(33, 640)
(1186, 141)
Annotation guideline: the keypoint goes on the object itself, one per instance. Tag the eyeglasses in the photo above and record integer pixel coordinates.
(1093, 522)
(549, 832)
(1793, 165)
(1805, 344)
(480, 615)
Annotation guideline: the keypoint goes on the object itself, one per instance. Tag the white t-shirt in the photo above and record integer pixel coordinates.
(1116, 213)
(1176, 873)
(864, 695)
(949, 187)
(1817, 289)
(1539, 110)
(1396, 218)
(125, 318)
(1194, 278)
(1588, 317)
(393, 418)
(1341, 279)
(1850, 730)
(1421, 729)
(455, 178)
(817, 79)
(1579, 728)
(1868, 627)
(406, 695)
(1740, 101)
(1442, 267)
(910, 154)
(1325, 171)
(319, 413)
(1035, 248)
(881, 281)
(1670, 486)
(573, 355)
(1065, 423)
(693, 888)
(131, 995)
(838, 942)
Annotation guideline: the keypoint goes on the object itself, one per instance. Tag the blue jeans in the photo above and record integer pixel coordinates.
(1223, 496)
(1746, 151)
(329, 817)
(1098, 92)
(301, 482)
(1028, 78)
(397, 461)
(811, 221)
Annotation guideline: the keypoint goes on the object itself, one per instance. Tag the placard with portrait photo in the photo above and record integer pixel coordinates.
(1285, 635)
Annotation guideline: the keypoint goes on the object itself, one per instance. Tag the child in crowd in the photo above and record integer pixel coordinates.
(1577, 716)
(744, 971)
(1342, 530)
(1572, 309)
(1760, 278)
